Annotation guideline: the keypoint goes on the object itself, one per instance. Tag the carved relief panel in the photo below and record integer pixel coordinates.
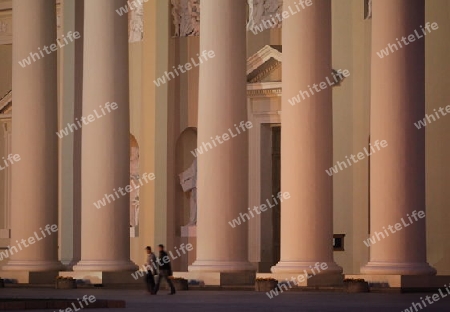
(264, 10)
(186, 17)
(136, 26)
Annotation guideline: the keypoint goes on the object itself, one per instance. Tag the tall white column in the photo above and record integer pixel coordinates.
(306, 142)
(397, 173)
(222, 170)
(34, 198)
(105, 156)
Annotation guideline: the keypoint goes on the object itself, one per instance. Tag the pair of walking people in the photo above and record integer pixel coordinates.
(162, 264)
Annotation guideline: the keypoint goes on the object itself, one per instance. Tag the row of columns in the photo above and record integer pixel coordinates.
(397, 174)
(397, 179)
(105, 242)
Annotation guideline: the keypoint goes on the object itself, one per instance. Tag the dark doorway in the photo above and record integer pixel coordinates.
(276, 187)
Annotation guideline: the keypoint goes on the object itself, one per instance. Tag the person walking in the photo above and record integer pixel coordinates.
(151, 270)
(165, 270)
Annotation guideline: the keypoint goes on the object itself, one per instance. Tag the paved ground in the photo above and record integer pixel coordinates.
(237, 301)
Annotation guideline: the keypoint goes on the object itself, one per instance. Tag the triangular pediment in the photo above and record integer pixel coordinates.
(264, 63)
(6, 103)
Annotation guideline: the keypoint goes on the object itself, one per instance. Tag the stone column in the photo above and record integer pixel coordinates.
(34, 197)
(105, 156)
(223, 169)
(306, 142)
(397, 172)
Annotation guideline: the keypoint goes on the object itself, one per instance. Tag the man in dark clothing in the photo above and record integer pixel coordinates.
(165, 270)
(151, 270)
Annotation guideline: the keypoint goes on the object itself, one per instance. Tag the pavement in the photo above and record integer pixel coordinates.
(237, 301)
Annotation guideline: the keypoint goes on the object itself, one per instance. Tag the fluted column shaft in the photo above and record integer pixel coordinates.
(222, 170)
(306, 141)
(397, 177)
(34, 198)
(105, 158)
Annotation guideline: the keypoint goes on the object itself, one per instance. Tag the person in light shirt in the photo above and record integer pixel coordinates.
(151, 270)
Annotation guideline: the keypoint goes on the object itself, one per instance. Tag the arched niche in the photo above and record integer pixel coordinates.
(186, 144)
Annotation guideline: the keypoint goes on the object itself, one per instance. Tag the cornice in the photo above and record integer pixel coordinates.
(5, 5)
(264, 92)
(262, 56)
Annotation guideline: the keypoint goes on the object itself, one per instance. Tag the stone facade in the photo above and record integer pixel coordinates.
(161, 118)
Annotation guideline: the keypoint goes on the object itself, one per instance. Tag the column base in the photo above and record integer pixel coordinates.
(242, 278)
(394, 268)
(68, 265)
(33, 266)
(312, 268)
(306, 280)
(221, 266)
(403, 283)
(28, 277)
(105, 266)
(106, 278)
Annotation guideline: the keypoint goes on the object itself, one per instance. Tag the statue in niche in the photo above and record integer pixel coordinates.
(188, 181)
(134, 180)
(368, 7)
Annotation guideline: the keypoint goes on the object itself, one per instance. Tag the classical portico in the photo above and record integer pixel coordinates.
(252, 77)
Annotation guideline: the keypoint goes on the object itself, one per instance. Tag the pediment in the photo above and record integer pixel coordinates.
(6, 103)
(265, 63)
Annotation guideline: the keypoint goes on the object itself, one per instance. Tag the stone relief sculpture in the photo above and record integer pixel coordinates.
(368, 9)
(262, 10)
(194, 8)
(186, 17)
(273, 6)
(137, 23)
(134, 180)
(188, 181)
(176, 17)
